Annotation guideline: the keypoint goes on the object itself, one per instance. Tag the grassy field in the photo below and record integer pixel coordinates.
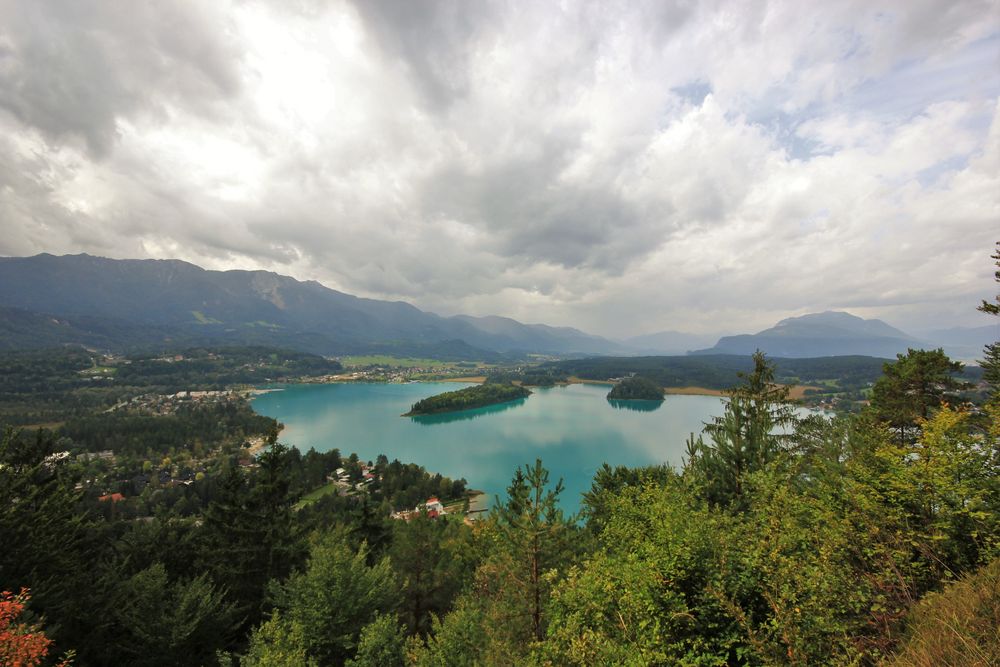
(394, 362)
(202, 319)
(315, 495)
(99, 370)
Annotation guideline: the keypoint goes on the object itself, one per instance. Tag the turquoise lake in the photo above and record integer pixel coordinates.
(573, 429)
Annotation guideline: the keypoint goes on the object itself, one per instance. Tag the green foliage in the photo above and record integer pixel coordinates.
(815, 571)
(470, 397)
(944, 485)
(404, 485)
(911, 386)
(535, 538)
(383, 644)
(721, 371)
(250, 537)
(991, 353)
(986, 306)
(526, 544)
(531, 376)
(445, 350)
(47, 544)
(466, 637)
(608, 482)
(41, 386)
(336, 596)
(171, 623)
(45, 386)
(222, 366)
(432, 560)
(780, 542)
(838, 533)
(745, 438)
(636, 388)
(648, 593)
(143, 434)
(278, 643)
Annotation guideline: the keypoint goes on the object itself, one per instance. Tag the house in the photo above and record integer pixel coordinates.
(55, 457)
(434, 507)
(113, 497)
(104, 455)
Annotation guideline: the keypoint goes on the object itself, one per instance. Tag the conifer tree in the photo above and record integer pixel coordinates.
(45, 543)
(163, 622)
(250, 533)
(746, 437)
(335, 597)
(537, 534)
(912, 386)
(991, 353)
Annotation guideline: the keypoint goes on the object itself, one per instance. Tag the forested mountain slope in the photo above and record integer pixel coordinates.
(150, 300)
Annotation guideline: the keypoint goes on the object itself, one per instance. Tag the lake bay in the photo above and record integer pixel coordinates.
(573, 429)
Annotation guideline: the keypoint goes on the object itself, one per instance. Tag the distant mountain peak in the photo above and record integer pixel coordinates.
(829, 333)
(827, 316)
(830, 320)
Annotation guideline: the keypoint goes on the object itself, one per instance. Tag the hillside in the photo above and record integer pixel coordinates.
(130, 303)
(818, 335)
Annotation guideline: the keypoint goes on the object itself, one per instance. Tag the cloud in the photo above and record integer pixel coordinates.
(622, 167)
(72, 68)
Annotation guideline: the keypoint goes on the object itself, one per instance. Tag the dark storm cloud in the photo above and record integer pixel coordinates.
(433, 40)
(73, 68)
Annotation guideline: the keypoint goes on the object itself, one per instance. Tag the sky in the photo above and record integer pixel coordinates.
(624, 168)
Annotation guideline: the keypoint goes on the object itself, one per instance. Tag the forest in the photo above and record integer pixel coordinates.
(862, 539)
(838, 541)
(841, 381)
(47, 386)
(477, 396)
(636, 388)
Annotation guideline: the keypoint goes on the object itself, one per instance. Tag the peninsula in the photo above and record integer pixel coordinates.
(636, 388)
(468, 398)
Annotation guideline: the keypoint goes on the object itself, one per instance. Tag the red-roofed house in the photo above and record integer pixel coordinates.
(434, 507)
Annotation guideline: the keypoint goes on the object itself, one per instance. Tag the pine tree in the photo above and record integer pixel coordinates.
(46, 544)
(171, 622)
(991, 353)
(432, 560)
(912, 386)
(335, 597)
(537, 533)
(250, 533)
(746, 437)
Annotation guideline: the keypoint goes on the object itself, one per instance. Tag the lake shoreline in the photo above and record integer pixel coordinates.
(468, 398)
(451, 412)
(796, 391)
(572, 429)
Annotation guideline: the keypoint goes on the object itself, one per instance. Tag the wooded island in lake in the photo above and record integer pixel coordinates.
(636, 388)
(468, 398)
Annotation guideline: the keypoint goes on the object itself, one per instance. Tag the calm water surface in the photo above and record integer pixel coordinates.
(572, 429)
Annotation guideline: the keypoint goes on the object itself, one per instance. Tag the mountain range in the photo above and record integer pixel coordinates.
(94, 300)
(834, 333)
(47, 300)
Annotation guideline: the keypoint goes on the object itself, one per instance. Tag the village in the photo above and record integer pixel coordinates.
(470, 508)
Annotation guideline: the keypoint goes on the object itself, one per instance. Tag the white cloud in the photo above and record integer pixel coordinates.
(623, 168)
